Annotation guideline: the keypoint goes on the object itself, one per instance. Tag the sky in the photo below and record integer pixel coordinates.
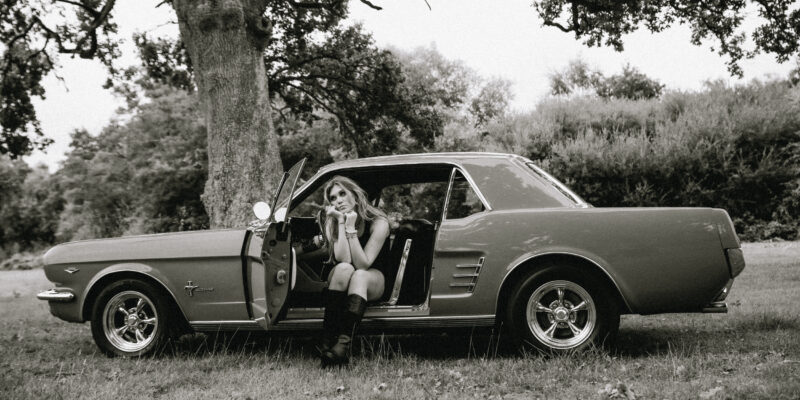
(497, 38)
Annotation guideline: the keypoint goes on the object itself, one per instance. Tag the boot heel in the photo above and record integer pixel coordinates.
(339, 353)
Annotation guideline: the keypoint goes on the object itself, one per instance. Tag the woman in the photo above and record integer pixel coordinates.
(356, 232)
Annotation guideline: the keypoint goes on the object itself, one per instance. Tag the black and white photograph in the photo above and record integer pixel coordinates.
(383, 199)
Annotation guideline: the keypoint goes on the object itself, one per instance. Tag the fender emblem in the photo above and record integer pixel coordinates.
(191, 288)
(71, 270)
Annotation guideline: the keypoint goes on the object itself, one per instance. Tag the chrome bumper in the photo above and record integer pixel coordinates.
(53, 295)
(716, 307)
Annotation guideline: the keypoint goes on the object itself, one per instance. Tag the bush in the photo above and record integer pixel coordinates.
(736, 148)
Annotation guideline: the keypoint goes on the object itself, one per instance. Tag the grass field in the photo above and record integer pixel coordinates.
(751, 352)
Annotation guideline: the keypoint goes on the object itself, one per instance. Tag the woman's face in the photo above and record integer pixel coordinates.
(341, 198)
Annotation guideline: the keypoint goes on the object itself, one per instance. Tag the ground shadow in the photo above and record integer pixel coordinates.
(444, 345)
(427, 345)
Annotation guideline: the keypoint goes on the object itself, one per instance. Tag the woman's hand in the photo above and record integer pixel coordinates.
(350, 221)
(331, 212)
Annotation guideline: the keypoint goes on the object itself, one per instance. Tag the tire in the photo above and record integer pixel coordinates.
(561, 309)
(131, 318)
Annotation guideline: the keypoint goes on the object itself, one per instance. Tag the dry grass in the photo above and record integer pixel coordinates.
(751, 352)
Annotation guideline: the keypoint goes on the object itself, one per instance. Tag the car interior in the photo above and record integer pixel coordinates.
(413, 198)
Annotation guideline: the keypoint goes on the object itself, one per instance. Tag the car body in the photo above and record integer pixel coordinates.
(479, 240)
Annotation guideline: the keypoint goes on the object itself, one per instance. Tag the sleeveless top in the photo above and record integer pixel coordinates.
(381, 261)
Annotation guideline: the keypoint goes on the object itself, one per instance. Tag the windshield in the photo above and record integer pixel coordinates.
(286, 189)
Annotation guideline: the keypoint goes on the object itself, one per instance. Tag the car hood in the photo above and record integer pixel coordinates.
(192, 244)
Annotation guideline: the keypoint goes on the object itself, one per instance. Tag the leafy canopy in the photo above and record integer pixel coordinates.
(630, 84)
(604, 22)
(35, 32)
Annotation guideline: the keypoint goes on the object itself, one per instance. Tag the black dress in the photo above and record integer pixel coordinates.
(380, 262)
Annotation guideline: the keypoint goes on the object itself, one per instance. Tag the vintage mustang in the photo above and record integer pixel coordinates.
(478, 240)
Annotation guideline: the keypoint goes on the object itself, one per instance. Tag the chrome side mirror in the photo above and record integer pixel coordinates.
(262, 210)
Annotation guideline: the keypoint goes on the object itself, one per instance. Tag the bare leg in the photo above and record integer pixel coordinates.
(340, 277)
(366, 283)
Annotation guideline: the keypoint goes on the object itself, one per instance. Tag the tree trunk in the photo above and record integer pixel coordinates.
(225, 40)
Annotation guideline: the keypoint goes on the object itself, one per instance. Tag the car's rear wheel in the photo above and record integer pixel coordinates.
(131, 318)
(561, 308)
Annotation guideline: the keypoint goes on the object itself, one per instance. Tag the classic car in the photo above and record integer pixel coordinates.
(478, 240)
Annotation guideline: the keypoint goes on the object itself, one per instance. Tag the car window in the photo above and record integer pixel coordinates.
(413, 201)
(463, 199)
(311, 204)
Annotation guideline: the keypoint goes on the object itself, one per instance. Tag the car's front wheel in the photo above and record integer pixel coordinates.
(562, 308)
(130, 318)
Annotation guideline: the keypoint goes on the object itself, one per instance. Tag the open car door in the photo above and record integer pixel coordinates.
(277, 256)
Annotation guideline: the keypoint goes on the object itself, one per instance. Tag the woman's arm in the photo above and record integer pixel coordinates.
(341, 249)
(362, 258)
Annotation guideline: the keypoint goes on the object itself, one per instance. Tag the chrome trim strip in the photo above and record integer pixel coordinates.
(470, 285)
(580, 202)
(476, 189)
(452, 296)
(503, 281)
(463, 321)
(447, 198)
(241, 322)
(452, 321)
(56, 296)
(298, 310)
(211, 326)
(398, 280)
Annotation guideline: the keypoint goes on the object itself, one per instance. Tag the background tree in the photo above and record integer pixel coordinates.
(226, 41)
(630, 84)
(604, 22)
(145, 175)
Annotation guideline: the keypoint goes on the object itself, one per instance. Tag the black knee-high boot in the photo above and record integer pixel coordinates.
(334, 302)
(339, 353)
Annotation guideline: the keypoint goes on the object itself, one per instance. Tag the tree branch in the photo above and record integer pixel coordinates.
(91, 32)
(374, 7)
(559, 26)
(88, 9)
(304, 4)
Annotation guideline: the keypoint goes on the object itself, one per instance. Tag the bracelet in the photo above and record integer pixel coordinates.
(350, 234)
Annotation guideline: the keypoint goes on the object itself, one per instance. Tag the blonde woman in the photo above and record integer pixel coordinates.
(356, 233)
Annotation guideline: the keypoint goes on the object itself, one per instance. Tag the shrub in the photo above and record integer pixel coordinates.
(736, 148)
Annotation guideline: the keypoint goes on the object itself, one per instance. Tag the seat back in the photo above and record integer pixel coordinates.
(409, 258)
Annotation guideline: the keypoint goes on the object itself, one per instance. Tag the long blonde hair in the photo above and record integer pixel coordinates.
(365, 211)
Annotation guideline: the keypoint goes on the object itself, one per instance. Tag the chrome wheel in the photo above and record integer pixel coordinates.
(561, 314)
(130, 321)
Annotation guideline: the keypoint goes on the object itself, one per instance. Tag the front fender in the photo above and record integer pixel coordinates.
(102, 277)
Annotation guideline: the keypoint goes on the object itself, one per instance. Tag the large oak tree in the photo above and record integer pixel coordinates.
(226, 42)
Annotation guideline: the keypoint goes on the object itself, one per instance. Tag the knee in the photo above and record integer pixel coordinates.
(342, 272)
(359, 276)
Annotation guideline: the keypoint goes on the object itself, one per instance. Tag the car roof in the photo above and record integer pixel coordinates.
(420, 158)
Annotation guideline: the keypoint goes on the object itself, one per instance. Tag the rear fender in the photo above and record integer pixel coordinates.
(594, 260)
